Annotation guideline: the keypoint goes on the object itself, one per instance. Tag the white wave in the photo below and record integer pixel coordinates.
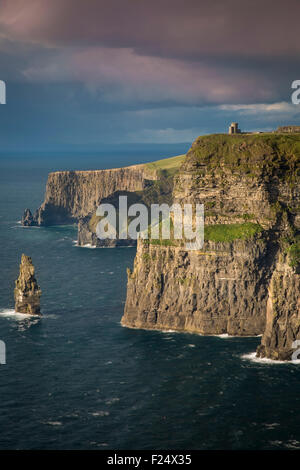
(265, 360)
(226, 336)
(292, 444)
(54, 423)
(100, 413)
(112, 400)
(271, 425)
(17, 315)
(88, 245)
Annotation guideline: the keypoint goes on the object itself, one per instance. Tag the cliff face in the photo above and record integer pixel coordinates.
(71, 195)
(242, 178)
(221, 289)
(156, 191)
(27, 292)
(249, 185)
(282, 314)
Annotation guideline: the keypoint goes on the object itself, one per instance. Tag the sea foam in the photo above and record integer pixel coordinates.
(265, 360)
(16, 315)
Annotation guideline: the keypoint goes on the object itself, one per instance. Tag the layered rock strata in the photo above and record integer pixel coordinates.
(249, 185)
(71, 195)
(27, 293)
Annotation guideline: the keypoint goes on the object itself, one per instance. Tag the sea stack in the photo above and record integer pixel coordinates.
(27, 292)
(27, 219)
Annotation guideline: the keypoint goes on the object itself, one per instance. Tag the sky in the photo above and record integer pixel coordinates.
(89, 74)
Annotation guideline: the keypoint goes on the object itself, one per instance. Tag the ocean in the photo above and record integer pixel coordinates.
(76, 379)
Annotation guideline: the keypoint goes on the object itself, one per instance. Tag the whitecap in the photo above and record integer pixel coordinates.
(271, 425)
(112, 400)
(54, 423)
(224, 336)
(100, 413)
(227, 336)
(88, 245)
(292, 444)
(265, 360)
(17, 315)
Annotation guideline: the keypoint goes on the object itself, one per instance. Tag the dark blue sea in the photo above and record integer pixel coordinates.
(76, 379)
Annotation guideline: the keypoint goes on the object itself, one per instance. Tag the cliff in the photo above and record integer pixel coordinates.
(73, 196)
(27, 292)
(282, 313)
(249, 185)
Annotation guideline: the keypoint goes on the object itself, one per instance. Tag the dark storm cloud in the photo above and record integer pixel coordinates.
(163, 69)
(171, 28)
(209, 51)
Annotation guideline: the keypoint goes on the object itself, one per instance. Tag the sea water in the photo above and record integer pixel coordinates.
(77, 379)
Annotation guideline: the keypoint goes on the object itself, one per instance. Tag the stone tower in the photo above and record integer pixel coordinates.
(234, 128)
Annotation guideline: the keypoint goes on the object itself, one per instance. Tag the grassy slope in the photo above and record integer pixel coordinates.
(230, 232)
(167, 165)
(248, 154)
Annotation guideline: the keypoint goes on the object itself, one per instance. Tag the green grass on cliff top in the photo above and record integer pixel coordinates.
(230, 232)
(216, 233)
(248, 153)
(169, 165)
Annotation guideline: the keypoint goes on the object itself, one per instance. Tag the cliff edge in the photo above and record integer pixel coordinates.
(73, 196)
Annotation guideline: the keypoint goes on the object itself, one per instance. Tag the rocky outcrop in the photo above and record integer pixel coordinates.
(290, 129)
(27, 292)
(27, 219)
(158, 191)
(249, 185)
(282, 313)
(87, 235)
